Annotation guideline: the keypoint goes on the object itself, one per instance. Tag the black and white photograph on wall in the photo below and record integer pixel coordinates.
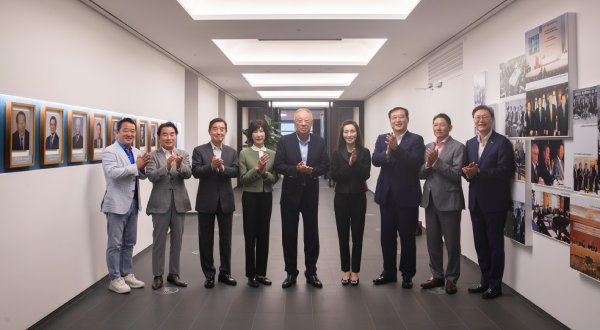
(20, 134)
(479, 88)
(550, 215)
(512, 76)
(585, 106)
(515, 222)
(586, 174)
(548, 162)
(547, 51)
(520, 162)
(585, 240)
(77, 136)
(51, 131)
(549, 111)
(515, 124)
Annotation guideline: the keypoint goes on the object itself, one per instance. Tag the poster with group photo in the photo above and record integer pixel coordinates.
(550, 212)
(585, 236)
(512, 77)
(550, 111)
(515, 124)
(548, 163)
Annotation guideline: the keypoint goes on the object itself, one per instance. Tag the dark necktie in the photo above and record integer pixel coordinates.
(51, 140)
(22, 144)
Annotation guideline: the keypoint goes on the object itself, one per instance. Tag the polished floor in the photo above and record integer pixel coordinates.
(300, 307)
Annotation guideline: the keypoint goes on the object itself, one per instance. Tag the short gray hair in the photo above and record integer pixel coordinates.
(303, 109)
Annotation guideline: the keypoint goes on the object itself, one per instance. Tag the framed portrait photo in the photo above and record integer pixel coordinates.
(142, 135)
(52, 132)
(20, 135)
(112, 122)
(77, 136)
(97, 136)
(153, 136)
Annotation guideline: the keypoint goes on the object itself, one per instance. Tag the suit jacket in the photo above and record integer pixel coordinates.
(443, 179)
(55, 143)
(551, 119)
(78, 144)
(558, 170)
(350, 179)
(214, 187)
(544, 173)
(529, 123)
(165, 183)
(252, 180)
(490, 187)
(288, 156)
(121, 178)
(540, 123)
(96, 143)
(563, 121)
(401, 171)
(16, 143)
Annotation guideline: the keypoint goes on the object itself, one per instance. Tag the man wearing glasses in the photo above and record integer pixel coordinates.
(490, 167)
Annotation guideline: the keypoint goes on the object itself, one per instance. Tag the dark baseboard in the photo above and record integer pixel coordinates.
(83, 294)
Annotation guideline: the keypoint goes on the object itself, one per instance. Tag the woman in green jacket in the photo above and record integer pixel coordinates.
(258, 177)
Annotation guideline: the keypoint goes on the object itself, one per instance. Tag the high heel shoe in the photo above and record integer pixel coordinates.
(355, 283)
(345, 282)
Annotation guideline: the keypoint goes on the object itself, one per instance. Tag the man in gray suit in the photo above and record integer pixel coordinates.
(214, 164)
(168, 203)
(123, 166)
(443, 202)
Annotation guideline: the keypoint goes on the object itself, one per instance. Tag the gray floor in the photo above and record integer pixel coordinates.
(300, 307)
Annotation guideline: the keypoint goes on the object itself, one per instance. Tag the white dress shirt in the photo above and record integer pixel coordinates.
(168, 154)
(483, 143)
(217, 152)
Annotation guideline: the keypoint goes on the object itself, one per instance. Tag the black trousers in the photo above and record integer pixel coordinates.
(289, 228)
(257, 221)
(488, 234)
(206, 239)
(350, 210)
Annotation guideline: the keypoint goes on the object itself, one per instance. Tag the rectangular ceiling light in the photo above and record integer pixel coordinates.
(299, 52)
(299, 79)
(294, 10)
(300, 94)
(299, 105)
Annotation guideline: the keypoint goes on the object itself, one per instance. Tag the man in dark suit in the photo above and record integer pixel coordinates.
(551, 117)
(52, 141)
(563, 118)
(398, 193)
(214, 164)
(77, 138)
(490, 168)
(143, 135)
(20, 138)
(529, 122)
(540, 116)
(580, 178)
(586, 176)
(302, 158)
(575, 185)
(98, 139)
(545, 170)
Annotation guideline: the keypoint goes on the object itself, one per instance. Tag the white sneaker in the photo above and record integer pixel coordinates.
(133, 282)
(118, 285)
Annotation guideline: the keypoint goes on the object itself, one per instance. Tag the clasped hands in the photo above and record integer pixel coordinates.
(303, 168)
(142, 161)
(217, 163)
(262, 165)
(177, 159)
(470, 170)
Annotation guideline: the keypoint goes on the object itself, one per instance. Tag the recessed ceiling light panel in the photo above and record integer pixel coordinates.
(299, 52)
(294, 10)
(300, 104)
(299, 79)
(300, 94)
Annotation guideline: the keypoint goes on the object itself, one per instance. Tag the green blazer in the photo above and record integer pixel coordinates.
(252, 180)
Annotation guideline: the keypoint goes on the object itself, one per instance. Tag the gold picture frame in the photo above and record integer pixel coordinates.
(142, 136)
(77, 146)
(97, 143)
(112, 122)
(19, 154)
(154, 144)
(52, 149)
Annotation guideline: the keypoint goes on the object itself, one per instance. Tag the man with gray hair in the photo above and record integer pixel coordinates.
(77, 138)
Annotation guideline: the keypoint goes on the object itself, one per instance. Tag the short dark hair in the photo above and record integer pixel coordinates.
(217, 120)
(445, 117)
(255, 125)
(55, 121)
(396, 109)
(124, 120)
(21, 113)
(98, 124)
(483, 107)
(168, 124)
(341, 143)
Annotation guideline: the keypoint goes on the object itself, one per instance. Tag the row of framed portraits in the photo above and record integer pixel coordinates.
(83, 141)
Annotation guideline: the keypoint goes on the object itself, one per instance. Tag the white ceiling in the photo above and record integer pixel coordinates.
(166, 25)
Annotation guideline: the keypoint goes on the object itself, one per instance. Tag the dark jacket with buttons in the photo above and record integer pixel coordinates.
(350, 179)
(165, 183)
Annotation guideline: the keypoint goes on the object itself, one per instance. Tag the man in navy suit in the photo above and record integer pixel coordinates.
(398, 193)
(302, 158)
(491, 164)
(52, 141)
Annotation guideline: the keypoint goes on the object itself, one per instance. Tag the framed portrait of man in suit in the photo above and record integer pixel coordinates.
(77, 136)
(20, 135)
(142, 136)
(52, 129)
(154, 135)
(112, 122)
(97, 136)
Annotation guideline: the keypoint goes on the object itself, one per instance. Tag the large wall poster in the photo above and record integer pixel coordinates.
(550, 213)
(548, 106)
(479, 88)
(512, 76)
(585, 148)
(585, 236)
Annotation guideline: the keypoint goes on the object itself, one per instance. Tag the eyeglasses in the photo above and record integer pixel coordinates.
(303, 121)
(398, 117)
(481, 118)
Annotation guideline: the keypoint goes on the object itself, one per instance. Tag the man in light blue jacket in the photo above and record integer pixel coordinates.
(123, 166)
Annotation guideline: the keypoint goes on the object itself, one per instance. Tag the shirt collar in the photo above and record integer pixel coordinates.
(167, 151)
(307, 141)
(486, 138)
(443, 141)
(123, 147)
(215, 147)
(255, 148)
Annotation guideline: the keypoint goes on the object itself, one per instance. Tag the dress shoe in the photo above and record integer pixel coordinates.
(263, 280)
(174, 278)
(252, 282)
(210, 282)
(407, 282)
(314, 281)
(157, 283)
(354, 283)
(384, 279)
(450, 286)
(345, 281)
(480, 288)
(492, 293)
(227, 279)
(289, 281)
(432, 283)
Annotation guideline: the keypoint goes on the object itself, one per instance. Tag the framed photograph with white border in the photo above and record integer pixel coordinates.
(52, 132)
(20, 135)
(77, 134)
(142, 136)
(97, 136)
(112, 122)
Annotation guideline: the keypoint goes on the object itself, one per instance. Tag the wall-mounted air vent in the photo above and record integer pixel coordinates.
(446, 63)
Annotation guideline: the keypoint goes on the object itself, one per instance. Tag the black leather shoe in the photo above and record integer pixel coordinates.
(492, 293)
(480, 288)
(314, 281)
(384, 279)
(157, 283)
(289, 281)
(252, 282)
(407, 282)
(263, 280)
(227, 279)
(210, 282)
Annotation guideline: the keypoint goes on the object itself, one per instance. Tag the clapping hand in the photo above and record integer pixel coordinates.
(432, 156)
(303, 168)
(170, 162)
(142, 161)
(216, 163)
(470, 170)
(262, 163)
(392, 143)
(179, 161)
(353, 156)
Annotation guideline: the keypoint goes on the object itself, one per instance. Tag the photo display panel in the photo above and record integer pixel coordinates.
(512, 77)
(585, 236)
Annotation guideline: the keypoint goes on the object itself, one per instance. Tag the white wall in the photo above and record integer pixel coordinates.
(231, 118)
(541, 273)
(54, 235)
